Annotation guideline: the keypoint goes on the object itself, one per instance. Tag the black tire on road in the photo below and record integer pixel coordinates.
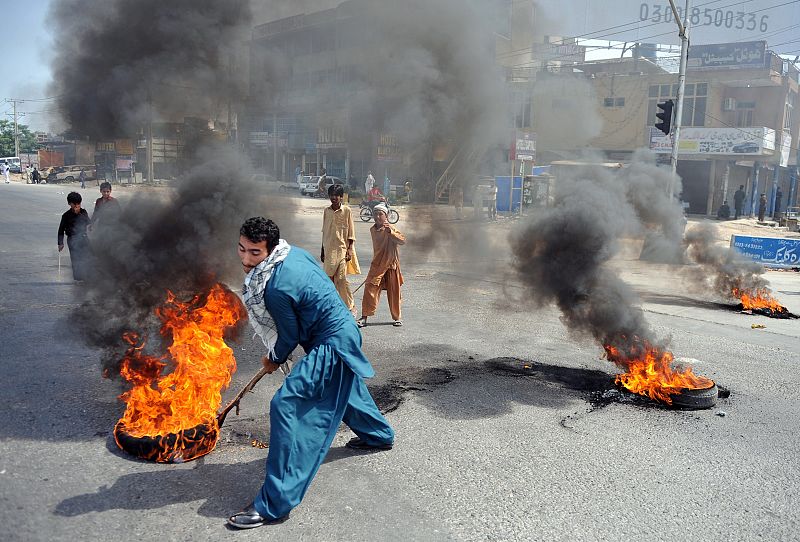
(69, 179)
(365, 214)
(696, 399)
(393, 216)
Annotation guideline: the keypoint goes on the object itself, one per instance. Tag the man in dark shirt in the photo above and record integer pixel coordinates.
(738, 201)
(74, 224)
(106, 208)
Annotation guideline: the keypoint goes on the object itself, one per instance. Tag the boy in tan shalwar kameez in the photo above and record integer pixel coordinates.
(338, 252)
(384, 272)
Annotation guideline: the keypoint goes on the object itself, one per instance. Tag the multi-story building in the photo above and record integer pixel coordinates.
(739, 125)
(315, 87)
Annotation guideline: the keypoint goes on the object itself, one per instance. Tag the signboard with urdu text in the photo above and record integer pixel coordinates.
(724, 141)
(770, 251)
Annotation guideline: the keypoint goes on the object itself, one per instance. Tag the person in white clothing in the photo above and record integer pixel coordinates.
(369, 183)
(4, 170)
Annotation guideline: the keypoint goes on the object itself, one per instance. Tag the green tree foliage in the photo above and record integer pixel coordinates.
(27, 141)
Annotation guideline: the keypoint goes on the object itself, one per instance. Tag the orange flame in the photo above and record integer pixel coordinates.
(757, 299)
(650, 372)
(181, 405)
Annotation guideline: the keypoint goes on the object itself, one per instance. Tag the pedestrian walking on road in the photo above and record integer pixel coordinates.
(5, 171)
(738, 202)
(36, 177)
(762, 207)
(338, 253)
(384, 272)
(457, 199)
(291, 301)
(82, 178)
(74, 224)
(106, 207)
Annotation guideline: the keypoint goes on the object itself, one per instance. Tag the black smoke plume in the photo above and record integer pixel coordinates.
(561, 252)
(118, 63)
(182, 240)
(721, 269)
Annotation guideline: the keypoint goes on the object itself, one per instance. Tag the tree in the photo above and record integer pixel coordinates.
(27, 141)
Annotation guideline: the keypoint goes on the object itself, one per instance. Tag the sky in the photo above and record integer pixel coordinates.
(26, 71)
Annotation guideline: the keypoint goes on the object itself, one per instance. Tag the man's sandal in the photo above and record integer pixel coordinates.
(397, 323)
(361, 322)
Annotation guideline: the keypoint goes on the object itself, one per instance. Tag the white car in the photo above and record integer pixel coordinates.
(309, 185)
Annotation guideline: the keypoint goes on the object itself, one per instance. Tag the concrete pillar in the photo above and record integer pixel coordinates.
(726, 175)
(712, 187)
(347, 166)
(317, 172)
(303, 163)
(773, 190)
(275, 144)
(754, 193)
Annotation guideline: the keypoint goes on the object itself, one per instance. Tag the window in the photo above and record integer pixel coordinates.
(744, 114)
(744, 118)
(522, 104)
(694, 102)
(613, 102)
(787, 115)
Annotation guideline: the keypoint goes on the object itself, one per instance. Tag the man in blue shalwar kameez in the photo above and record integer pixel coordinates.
(291, 301)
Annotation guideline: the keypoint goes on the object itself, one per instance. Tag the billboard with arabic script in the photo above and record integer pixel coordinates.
(750, 54)
(770, 251)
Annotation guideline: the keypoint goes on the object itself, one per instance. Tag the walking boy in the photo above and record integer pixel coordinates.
(338, 253)
(106, 207)
(74, 224)
(384, 272)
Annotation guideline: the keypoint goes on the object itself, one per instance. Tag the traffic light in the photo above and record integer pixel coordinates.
(665, 116)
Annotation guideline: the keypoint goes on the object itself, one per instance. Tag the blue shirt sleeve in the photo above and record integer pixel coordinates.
(281, 308)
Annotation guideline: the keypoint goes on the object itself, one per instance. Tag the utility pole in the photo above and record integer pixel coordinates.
(13, 103)
(16, 131)
(150, 176)
(683, 33)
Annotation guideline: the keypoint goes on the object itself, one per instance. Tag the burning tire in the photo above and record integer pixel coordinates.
(186, 445)
(695, 399)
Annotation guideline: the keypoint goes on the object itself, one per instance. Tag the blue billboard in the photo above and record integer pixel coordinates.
(769, 251)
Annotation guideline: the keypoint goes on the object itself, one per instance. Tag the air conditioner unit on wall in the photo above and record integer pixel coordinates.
(729, 104)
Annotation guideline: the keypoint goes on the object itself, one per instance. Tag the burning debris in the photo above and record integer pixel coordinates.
(171, 412)
(730, 275)
(651, 372)
(561, 255)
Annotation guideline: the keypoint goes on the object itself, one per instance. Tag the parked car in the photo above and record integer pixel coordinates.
(13, 162)
(309, 185)
(68, 174)
(747, 148)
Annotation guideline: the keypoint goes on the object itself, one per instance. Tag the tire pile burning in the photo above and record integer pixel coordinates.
(171, 413)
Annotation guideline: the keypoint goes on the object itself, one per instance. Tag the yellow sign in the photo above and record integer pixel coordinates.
(124, 146)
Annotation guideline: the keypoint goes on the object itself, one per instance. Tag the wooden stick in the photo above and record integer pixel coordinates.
(360, 285)
(235, 403)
